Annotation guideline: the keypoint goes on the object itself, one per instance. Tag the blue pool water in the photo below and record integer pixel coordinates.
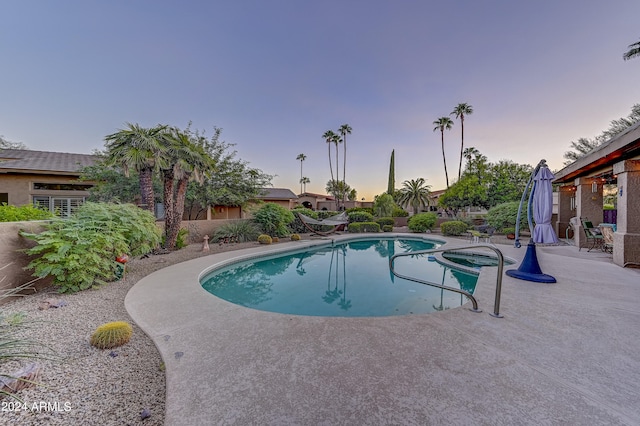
(350, 279)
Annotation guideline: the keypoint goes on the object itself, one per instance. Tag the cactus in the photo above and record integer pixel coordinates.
(111, 335)
(264, 239)
(295, 237)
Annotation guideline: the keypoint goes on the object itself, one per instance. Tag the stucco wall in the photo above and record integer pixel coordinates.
(20, 190)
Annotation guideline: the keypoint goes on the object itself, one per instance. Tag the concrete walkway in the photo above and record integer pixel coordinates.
(565, 353)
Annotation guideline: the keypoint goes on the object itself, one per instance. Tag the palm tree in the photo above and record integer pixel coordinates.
(460, 111)
(415, 193)
(634, 51)
(301, 157)
(344, 130)
(304, 181)
(443, 123)
(140, 150)
(189, 160)
(329, 137)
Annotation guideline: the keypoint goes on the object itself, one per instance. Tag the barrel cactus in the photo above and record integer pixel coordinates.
(111, 335)
(265, 239)
(295, 237)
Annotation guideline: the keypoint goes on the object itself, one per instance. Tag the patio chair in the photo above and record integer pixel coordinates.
(593, 235)
(334, 221)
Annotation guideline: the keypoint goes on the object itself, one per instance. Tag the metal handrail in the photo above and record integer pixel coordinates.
(496, 305)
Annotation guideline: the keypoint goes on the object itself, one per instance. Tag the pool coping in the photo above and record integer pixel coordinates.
(225, 363)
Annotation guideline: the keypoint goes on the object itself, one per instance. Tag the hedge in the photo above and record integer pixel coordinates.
(454, 227)
(357, 227)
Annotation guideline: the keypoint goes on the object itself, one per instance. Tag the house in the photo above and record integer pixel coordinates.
(47, 179)
(580, 193)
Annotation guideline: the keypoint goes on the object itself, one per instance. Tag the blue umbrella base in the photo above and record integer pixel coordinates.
(528, 276)
(529, 269)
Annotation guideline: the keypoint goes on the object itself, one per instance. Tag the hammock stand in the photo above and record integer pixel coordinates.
(335, 221)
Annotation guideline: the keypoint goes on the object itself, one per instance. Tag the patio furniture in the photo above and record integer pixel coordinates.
(335, 221)
(593, 235)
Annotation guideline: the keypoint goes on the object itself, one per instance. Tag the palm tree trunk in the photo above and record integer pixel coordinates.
(461, 146)
(337, 180)
(446, 175)
(344, 165)
(146, 189)
(169, 209)
(301, 175)
(178, 212)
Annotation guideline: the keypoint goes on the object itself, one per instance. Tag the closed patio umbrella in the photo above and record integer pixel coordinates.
(543, 207)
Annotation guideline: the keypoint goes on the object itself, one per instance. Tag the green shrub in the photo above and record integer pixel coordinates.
(387, 228)
(385, 221)
(80, 252)
(505, 215)
(295, 237)
(508, 230)
(399, 212)
(422, 222)
(240, 231)
(360, 209)
(296, 226)
(265, 239)
(273, 219)
(360, 216)
(111, 335)
(384, 205)
(454, 227)
(608, 207)
(357, 227)
(181, 239)
(323, 214)
(23, 213)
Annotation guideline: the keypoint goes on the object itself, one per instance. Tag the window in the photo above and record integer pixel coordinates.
(61, 206)
(62, 186)
(4, 198)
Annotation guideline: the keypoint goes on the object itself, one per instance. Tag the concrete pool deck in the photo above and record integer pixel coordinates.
(564, 353)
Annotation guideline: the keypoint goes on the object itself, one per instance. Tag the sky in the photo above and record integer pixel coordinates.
(276, 74)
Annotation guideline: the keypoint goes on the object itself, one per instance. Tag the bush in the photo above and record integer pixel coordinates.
(399, 212)
(384, 205)
(505, 215)
(111, 335)
(296, 226)
(454, 227)
(387, 228)
(181, 239)
(357, 227)
(265, 239)
(360, 209)
(323, 214)
(23, 213)
(360, 216)
(508, 230)
(273, 219)
(422, 222)
(385, 221)
(240, 231)
(80, 252)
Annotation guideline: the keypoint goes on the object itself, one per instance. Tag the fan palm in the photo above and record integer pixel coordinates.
(344, 130)
(460, 111)
(442, 124)
(634, 51)
(304, 181)
(140, 150)
(329, 137)
(414, 193)
(301, 158)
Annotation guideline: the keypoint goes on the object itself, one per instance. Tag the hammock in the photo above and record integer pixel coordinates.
(335, 221)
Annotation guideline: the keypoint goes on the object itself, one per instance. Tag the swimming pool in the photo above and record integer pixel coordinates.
(346, 279)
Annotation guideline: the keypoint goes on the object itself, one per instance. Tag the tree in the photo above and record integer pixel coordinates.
(507, 181)
(301, 158)
(634, 51)
(391, 185)
(464, 193)
(442, 124)
(6, 144)
(140, 150)
(344, 130)
(338, 189)
(329, 136)
(383, 205)
(304, 181)
(414, 193)
(460, 111)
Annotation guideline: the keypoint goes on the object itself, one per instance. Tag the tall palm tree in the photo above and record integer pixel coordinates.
(304, 181)
(344, 130)
(442, 124)
(634, 51)
(301, 158)
(460, 111)
(415, 193)
(329, 137)
(337, 140)
(142, 150)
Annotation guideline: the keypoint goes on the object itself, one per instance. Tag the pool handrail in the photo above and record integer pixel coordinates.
(496, 305)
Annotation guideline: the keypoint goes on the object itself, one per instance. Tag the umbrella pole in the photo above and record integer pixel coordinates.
(529, 269)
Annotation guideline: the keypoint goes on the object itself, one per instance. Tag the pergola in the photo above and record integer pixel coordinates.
(617, 161)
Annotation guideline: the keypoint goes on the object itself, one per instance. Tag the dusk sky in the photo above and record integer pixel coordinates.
(276, 74)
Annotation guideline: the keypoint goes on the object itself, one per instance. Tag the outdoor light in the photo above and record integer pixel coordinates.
(594, 187)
